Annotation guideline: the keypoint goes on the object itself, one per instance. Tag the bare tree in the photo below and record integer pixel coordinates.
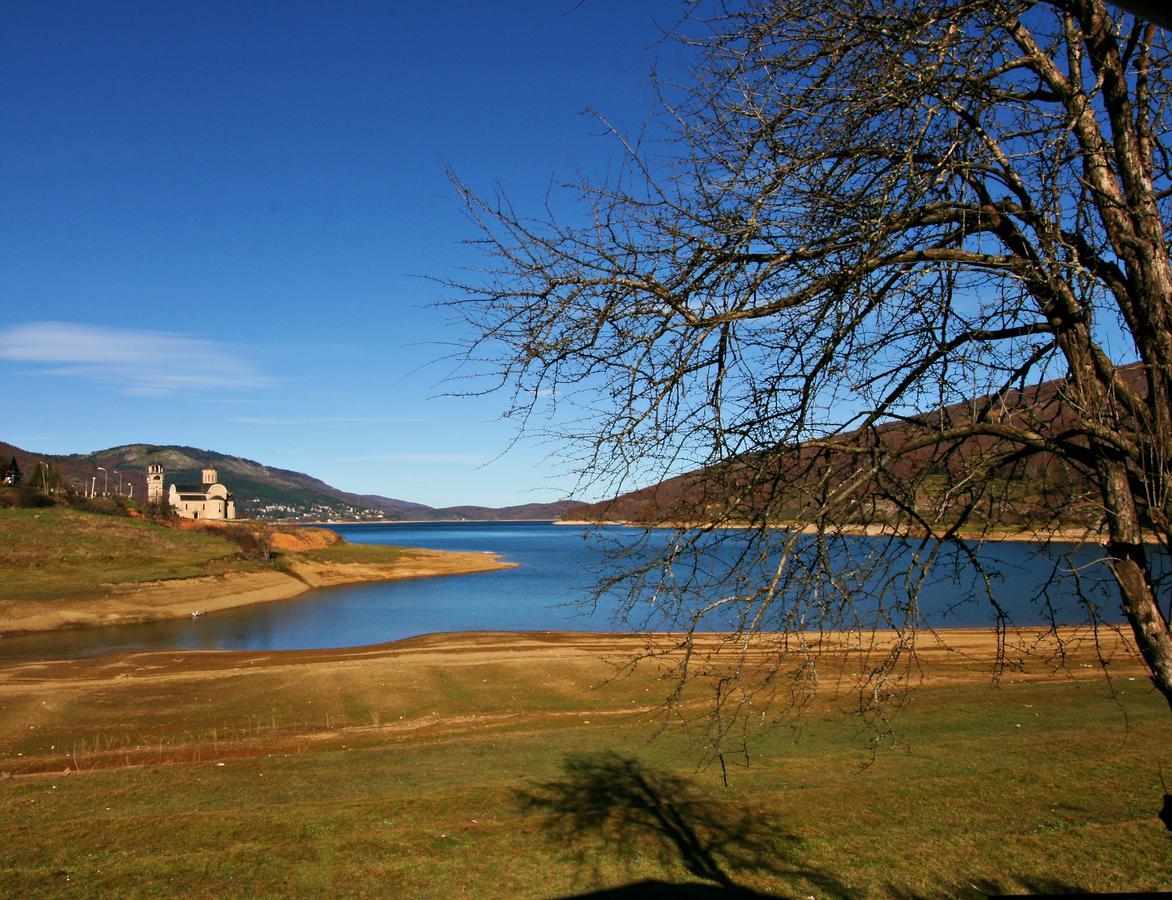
(864, 232)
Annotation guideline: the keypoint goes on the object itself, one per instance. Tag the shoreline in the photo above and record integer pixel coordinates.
(191, 597)
(968, 648)
(1054, 536)
(330, 523)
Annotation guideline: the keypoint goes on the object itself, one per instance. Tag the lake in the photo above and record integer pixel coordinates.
(557, 566)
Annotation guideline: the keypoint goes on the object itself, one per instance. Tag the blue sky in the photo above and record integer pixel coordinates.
(216, 216)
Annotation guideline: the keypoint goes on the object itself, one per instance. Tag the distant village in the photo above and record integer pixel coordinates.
(317, 512)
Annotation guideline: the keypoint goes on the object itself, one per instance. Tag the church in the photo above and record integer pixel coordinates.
(209, 500)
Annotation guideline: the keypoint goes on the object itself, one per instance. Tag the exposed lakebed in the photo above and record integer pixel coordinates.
(558, 565)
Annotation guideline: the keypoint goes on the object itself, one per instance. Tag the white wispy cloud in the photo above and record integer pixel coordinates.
(143, 363)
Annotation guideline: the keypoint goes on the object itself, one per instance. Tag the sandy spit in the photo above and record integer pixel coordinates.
(180, 598)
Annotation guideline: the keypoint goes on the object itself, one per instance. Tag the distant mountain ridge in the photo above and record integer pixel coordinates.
(262, 492)
(1039, 490)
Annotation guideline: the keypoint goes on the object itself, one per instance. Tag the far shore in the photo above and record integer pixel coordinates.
(190, 597)
(1054, 536)
(330, 523)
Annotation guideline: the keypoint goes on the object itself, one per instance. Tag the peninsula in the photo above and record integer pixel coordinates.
(65, 568)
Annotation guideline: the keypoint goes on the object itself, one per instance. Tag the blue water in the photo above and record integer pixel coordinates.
(557, 567)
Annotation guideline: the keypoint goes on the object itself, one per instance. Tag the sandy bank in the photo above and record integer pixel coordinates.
(179, 598)
(944, 656)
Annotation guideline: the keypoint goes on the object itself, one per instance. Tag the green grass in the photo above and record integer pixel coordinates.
(357, 553)
(62, 554)
(519, 777)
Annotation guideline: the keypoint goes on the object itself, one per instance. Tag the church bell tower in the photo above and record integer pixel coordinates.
(155, 483)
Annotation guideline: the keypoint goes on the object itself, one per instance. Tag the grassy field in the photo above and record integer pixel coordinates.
(63, 554)
(512, 765)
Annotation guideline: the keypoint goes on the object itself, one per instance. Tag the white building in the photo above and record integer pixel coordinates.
(210, 500)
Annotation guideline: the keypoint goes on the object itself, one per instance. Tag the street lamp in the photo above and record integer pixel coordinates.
(93, 485)
(44, 474)
(105, 479)
(119, 474)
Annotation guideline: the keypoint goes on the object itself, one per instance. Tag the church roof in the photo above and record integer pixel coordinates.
(197, 492)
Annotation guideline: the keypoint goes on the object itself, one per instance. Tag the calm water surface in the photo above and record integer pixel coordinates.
(557, 566)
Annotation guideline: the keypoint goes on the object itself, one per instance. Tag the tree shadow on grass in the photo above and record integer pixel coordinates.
(612, 807)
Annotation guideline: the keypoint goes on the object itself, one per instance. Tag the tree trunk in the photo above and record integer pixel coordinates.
(1130, 567)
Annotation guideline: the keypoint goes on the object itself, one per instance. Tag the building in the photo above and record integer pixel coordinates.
(154, 483)
(209, 500)
(10, 474)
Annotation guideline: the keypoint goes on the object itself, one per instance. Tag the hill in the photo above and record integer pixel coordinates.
(262, 492)
(1001, 487)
